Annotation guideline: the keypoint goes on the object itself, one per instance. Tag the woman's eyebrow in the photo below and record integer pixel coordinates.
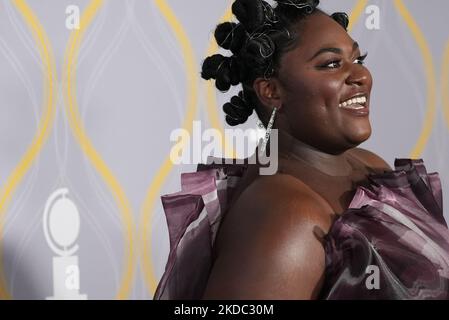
(355, 46)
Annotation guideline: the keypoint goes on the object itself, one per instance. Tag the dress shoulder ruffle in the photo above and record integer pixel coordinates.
(392, 242)
(193, 217)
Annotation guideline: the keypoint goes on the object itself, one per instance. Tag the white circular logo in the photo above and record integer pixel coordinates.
(61, 222)
(64, 222)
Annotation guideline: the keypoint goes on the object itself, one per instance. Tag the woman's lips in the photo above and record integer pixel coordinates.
(361, 111)
(357, 105)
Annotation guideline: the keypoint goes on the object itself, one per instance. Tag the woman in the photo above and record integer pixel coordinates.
(335, 221)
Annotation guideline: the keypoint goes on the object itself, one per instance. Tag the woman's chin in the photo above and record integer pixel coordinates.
(358, 137)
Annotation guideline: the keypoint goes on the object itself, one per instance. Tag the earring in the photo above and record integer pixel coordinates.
(268, 132)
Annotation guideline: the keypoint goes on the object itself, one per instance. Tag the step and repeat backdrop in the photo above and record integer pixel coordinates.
(92, 90)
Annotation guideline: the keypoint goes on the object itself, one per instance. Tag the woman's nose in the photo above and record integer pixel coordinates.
(358, 76)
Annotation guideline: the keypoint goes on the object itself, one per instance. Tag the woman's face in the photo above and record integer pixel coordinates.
(325, 89)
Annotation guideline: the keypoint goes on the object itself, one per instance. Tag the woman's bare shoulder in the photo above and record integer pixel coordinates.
(270, 243)
(272, 195)
(370, 159)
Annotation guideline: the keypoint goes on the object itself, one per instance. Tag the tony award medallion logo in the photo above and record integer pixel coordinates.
(61, 229)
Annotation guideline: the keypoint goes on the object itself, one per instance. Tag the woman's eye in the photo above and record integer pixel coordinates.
(337, 63)
(332, 65)
(361, 60)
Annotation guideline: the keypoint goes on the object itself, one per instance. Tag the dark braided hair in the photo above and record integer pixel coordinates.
(257, 42)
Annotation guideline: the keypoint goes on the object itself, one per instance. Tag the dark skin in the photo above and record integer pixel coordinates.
(269, 245)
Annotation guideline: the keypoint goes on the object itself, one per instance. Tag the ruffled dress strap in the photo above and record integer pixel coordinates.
(393, 241)
(193, 217)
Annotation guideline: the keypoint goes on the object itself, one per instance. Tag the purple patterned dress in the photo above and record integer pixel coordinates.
(392, 242)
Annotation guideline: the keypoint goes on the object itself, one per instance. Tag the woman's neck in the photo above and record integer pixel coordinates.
(329, 164)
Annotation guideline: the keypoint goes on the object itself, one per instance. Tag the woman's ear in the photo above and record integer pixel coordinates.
(268, 92)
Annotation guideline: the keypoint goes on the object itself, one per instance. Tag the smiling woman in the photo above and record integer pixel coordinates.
(335, 221)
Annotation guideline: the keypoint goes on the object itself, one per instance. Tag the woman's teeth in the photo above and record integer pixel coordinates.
(354, 103)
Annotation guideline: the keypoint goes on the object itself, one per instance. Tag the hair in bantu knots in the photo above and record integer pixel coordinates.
(256, 41)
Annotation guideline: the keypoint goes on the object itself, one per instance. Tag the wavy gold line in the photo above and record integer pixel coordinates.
(211, 98)
(45, 123)
(74, 119)
(430, 116)
(356, 13)
(445, 83)
(163, 172)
